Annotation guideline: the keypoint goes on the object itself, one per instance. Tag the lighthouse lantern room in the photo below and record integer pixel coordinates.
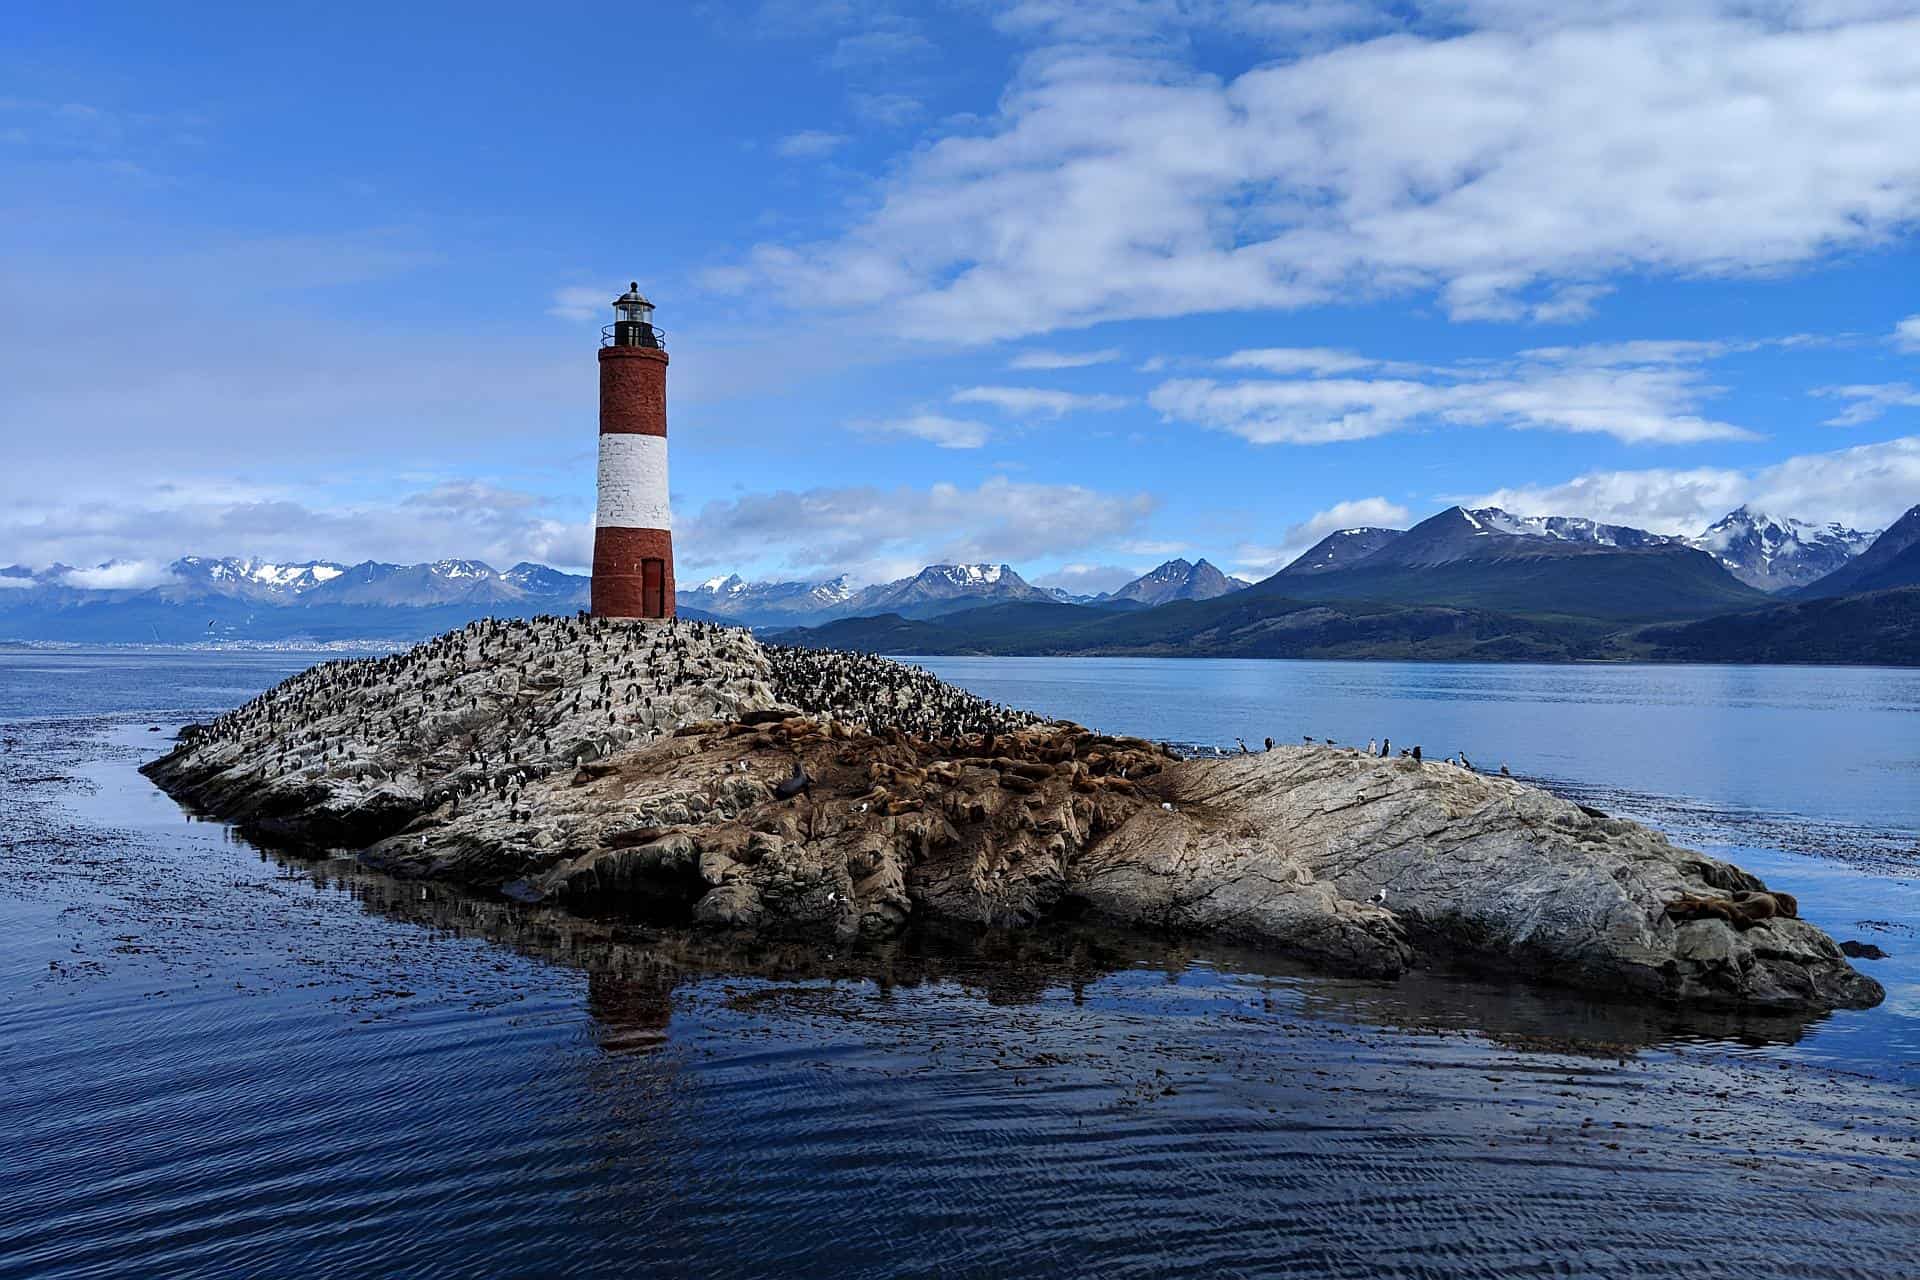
(633, 526)
(633, 321)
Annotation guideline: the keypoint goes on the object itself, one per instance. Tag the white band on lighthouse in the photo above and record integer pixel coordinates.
(633, 482)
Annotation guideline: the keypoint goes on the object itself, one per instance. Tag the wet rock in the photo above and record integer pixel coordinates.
(1856, 950)
(638, 767)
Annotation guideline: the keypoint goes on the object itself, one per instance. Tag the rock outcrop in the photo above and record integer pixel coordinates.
(686, 772)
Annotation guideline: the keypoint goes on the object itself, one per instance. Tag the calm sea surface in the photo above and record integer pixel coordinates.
(219, 1062)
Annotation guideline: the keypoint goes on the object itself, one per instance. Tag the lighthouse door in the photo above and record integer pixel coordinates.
(653, 583)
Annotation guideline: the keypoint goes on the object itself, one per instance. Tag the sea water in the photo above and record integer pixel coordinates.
(219, 1061)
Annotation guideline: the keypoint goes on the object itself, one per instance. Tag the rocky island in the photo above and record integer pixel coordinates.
(685, 772)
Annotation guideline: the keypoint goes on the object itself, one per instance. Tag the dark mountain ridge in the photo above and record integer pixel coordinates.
(1893, 560)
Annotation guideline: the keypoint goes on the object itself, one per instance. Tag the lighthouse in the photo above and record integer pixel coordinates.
(633, 528)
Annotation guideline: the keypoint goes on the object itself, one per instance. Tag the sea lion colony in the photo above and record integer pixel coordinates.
(686, 768)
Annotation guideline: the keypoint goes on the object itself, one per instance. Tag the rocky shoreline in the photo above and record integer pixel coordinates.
(686, 772)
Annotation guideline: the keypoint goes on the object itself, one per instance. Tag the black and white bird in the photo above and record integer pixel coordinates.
(1379, 899)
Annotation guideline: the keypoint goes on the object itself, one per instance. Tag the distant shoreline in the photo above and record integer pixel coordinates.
(358, 647)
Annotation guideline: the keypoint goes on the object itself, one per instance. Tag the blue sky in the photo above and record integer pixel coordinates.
(1077, 286)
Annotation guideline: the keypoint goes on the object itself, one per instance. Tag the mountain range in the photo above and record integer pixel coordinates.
(1467, 582)
(1482, 584)
(201, 598)
(936, 589)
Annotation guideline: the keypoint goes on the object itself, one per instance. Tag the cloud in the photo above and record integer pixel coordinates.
(809, 144)
(948, 433)
(579, 302)
(1867, 487)
(1088, 579)
(1521, 163)
(877, 50)
(887, 110)
(1357, 513)
(161, 521)
(1638, 393)
(118, 575)
(1869, 401)
(1906, 334)
(1037, 401)
(1038, 358)
(1289, 360)
(870, 531)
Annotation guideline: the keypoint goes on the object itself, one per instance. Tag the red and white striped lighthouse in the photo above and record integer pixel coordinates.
(633, 528)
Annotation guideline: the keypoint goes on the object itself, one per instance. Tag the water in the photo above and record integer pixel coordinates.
(221, 1062)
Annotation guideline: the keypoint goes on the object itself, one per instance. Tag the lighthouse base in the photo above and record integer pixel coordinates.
(632, 573)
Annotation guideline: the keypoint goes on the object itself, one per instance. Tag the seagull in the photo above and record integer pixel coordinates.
(1373, 745)
(1379, 899)
(1167, 805)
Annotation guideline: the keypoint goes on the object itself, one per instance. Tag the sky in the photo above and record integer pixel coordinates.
(1077, 285)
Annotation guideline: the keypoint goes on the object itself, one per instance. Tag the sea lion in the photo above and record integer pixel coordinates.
(1743, 910)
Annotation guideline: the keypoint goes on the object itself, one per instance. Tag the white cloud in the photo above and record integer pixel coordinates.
(1357, 513)
(461, 518)
(1867, 402)
(1291, 360)
(877, 49)
(579, 302)
(809, 144)
(888, 110)
(948, 433)
(1515, 167)
(1157, 548)
(11, 581)
(118, 575)
(870, 531)
(1906, 334)
(1637, 392)
(1867, 487)
(1088, 579)
(1042, 359)
(1037, 401)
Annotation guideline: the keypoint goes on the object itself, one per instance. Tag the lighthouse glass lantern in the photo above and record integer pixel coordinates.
(633, 320)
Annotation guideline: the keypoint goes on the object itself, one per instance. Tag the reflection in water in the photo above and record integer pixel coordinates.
(632, 973)
(221, 1062)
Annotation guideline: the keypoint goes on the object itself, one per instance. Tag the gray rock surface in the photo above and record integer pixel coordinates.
(634, 767)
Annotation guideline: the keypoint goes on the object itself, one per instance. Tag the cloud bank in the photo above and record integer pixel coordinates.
(1524, 155)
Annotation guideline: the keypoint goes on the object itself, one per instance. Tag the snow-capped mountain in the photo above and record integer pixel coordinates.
(1779, 553)
(255, 578)
(936, 589)
(1339, 549)
(233, 598)
(1177, 580)
(1486, 534)
(758, 603)
(1574, 529)
(1892, 560)
(944, 588)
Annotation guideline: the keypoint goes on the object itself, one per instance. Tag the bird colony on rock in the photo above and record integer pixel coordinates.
(684, 771)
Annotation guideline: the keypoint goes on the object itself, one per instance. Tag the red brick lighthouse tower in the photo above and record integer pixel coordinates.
(633, 530)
